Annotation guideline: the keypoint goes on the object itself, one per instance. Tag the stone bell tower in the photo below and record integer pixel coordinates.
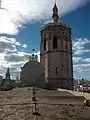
(8, 74)
(56, 53)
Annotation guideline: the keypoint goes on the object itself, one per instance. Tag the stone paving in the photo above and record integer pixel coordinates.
(16, 105)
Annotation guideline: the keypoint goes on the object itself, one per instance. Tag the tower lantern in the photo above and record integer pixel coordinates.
(55, 13)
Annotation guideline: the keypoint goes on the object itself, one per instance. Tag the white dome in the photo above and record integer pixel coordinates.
(32, 73)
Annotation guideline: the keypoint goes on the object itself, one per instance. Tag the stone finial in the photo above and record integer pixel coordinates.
(55, 16)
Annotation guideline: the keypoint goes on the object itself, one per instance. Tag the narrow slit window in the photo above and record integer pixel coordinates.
(44, 44)
(54, 42)
(56, 71)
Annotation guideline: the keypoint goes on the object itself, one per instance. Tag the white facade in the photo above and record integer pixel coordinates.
(32, 73)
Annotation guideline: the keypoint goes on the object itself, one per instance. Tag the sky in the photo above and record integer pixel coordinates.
(20, 24)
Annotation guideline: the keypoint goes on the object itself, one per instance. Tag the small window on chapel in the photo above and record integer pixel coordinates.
(44, 44)
(54, 42)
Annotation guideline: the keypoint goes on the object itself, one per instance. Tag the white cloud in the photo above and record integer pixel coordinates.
(24, 46)
(87, 60)
(10, 56)
(79, 46)
(16, 57)
(81, 61)
(82, 67)
(17, 12)
(6, 24)
(77, 59)
(82, 71)
(8, 44)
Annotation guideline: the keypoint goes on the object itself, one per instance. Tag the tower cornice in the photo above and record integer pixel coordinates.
(57, 24)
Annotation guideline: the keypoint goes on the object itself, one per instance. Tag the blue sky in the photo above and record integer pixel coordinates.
(20, 32)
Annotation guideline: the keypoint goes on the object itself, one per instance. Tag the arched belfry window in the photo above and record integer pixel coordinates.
(54, 42)
(44, 44)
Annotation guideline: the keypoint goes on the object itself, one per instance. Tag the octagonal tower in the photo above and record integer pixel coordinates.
(56, 53)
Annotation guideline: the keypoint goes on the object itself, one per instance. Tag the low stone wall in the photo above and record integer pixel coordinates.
(75, 93)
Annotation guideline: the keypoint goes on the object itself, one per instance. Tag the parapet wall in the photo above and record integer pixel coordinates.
(75, 93)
